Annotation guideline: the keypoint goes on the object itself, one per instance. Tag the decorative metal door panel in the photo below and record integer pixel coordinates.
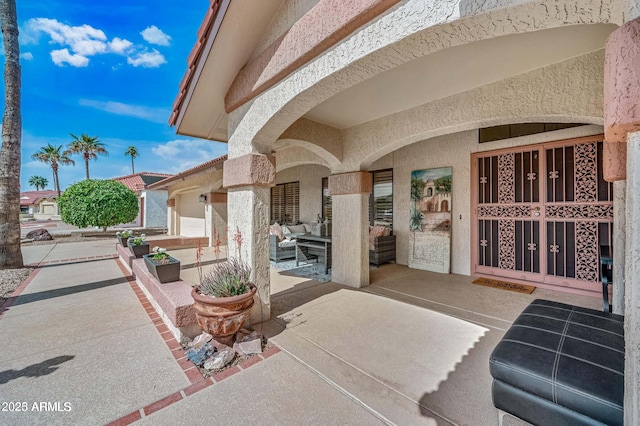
(542, 213)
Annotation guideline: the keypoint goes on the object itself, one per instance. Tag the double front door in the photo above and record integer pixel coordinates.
(542, 213)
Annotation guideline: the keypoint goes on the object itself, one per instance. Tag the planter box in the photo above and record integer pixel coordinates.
(122, 241)
(165, 272)
(139, 251)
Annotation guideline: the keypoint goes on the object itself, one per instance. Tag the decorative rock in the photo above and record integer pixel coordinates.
(220, 359)
(40, 235)
(247, 345)
(198, 356)
(199, 341)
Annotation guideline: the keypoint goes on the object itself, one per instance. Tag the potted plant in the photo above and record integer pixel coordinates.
(224, 298)
(123, 236)
(164, 267)
(138, 246)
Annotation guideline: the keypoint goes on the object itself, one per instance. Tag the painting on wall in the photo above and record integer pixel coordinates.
(430, 221)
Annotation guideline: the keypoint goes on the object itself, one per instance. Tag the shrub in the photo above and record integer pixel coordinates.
(100, 203)
(230, 278)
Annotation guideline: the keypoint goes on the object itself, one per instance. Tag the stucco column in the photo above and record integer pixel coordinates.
(171, 216)
(622, 138)
(350, 228)
(632, 285)
(248, 179)
(619, 241)
(216, 215)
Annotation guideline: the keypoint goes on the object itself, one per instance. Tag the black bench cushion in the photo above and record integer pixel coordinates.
(571, 356)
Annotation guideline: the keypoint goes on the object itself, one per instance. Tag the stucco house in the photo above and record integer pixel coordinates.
(533, 105)
(196, 203)
(42, 205)
(152, 210)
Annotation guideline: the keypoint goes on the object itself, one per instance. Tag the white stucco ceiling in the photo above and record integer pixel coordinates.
(456, 70)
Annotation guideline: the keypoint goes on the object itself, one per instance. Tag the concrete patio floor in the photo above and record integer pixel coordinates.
(411, 348)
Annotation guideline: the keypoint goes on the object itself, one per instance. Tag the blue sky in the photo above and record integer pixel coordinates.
(109, 69)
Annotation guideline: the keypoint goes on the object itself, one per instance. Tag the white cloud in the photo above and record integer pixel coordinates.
(27, 56)
(151, 59)
(62, 56)
(186, 153)
(156, 115)
(121, 46)
(81, 42)
(155, 35)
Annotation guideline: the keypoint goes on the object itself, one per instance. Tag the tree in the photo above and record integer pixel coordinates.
(98, 203)
(443, 185)
(417, 189)
(38, 182)
(133, 152)
(53, 156)
(10, 253)
(89, 147)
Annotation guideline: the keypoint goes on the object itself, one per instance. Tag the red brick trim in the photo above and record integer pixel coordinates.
(198, 382)
(17, 292)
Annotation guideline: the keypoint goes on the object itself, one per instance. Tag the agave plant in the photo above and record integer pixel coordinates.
(227, 279)
(415, 223)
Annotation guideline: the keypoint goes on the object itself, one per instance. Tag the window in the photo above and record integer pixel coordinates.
(381, 200)
(496, 133)
(326, 199)
(285, 203)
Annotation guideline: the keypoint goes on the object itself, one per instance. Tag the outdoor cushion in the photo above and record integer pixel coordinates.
(287, 243)
(559, 362)
(297, 229)
(276, 229)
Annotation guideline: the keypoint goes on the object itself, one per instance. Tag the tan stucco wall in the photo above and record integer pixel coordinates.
(192, 217)
(451, 150)
(310, 178)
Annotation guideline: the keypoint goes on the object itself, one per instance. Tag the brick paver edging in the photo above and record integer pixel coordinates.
(17, 292)
(198, 382)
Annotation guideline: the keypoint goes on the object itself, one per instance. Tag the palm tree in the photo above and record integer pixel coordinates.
(88, 146)
(10, 254)
(133, 152)
(53, 156)
(38, 182)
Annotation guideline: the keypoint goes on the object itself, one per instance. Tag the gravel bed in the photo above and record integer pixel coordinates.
(10, 279)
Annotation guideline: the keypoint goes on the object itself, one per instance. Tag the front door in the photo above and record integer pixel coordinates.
(542, 213)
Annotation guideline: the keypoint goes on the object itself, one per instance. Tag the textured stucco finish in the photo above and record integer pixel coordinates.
(619, 242)
(248, 214)
(350, 183)
(350, 245)
(322, 27)
(323, 140)
(249, 170)
(410, 30)
(632, 285)
(621, 94)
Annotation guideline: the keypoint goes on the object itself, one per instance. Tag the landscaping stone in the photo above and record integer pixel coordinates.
(39, 235)
(199, 355)
(249, 344)
(220, 359)
(199, 341)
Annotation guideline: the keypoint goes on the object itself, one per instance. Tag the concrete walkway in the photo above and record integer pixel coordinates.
(412, 348)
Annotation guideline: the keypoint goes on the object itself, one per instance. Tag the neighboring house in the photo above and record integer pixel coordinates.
(42, 205)
(196, 204)
(152, 212)
(533, 104)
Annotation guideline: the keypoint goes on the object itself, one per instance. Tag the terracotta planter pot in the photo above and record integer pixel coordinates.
(122, 241)
(164, 272)
(139, 251)
(222, 316)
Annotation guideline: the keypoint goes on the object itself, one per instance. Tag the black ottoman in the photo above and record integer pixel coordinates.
(560, 364)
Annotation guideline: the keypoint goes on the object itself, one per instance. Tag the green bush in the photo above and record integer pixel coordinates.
(100, 203)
